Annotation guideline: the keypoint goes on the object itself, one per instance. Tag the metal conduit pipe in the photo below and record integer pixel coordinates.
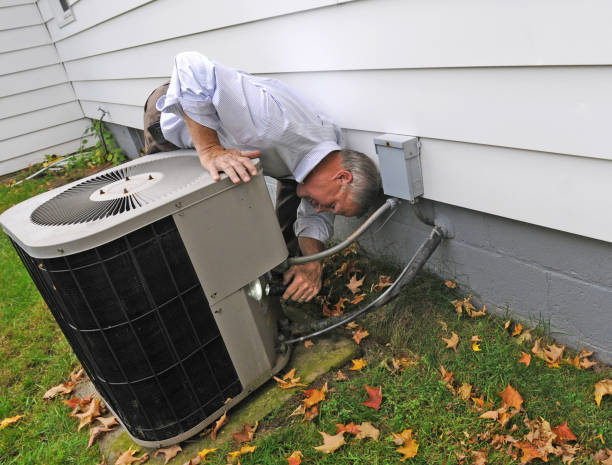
(420, 257)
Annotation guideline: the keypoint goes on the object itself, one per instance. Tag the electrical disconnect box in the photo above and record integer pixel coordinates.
(400, 165)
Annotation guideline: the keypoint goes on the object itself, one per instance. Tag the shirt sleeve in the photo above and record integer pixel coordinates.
(309, 223)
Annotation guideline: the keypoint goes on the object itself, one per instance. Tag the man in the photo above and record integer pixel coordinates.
(231, 117)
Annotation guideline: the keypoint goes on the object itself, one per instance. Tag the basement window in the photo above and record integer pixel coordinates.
(63, 12)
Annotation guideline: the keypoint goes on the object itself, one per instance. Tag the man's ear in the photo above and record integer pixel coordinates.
(344, 176)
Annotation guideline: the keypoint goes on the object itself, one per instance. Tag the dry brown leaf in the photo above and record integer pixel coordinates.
(563, 433)
(64, 388)
(447, 378)
(311, 413)
(358, 364)
(553, 353)
(354, 284)
(537, 350)
(451, 342)
(585, 363)
(295, 458)
(458, 304)
(602, 388)
(218, 425)
(525, 336)
(483, 312)
(9, 421)
(383, 281)
(246, 435)
(603, 457)
(367, 430)
(525, 358)
(308, 344)
(450, 284)
(490, 415)
(507, 324)
(352, 325)
(169, 452)
(530, 452)
(331, 443)
(289, 380)
(300, 410)
(358, 298)
(107, 421)
(359, 335)
(336, 311)
(511, 398)
(340, 376)
(480, 457)
(342, 270)
(350, 428)
(95, 433)
(479, 402)
(476, 338)
(88, 416)
(76, 375)
(128, 457)
(375, 397)
(465, 391)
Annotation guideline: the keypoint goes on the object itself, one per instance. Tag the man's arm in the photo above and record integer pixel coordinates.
(235, 163)
(305, 279)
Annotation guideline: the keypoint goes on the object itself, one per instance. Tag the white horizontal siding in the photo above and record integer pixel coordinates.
(35, 100)
(163, 21)
(13, 17)
(126, 115)
(40, 140)
(368, 34)
(40, 119)
(20, 60)
(5, 3)
(30, 36)
(33, 79)
(124, 91)
(15, 164)
(562, 192)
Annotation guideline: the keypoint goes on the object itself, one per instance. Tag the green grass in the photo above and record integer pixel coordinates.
(35, 356)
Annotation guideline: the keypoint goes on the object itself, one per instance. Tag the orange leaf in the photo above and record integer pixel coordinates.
(311, 413)
(331, 443)
(375, 397)
(450, 284)
(354, 284)
(220, 422)
(525, 358)
(451, 342)
(295, 458)
(409, 446)
(314, 396)
(531, 452)
(358, 364)
(357, 299)
(90, 414)
(601, 389)
(359, 335)
(8, 421)
(308, 344)
(563, 433)
(511, 398)
(383, 281)
(518, 329)
(128, 458)
(351, 428)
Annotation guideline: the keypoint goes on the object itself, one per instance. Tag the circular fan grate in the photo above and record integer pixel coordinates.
(85, 202)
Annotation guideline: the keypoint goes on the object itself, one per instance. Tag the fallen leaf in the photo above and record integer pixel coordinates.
(476, 338)
(490, 415)
(476, 347)
(246, 435)
(295, 458)
(444, 325)
(602, 388)
(76, 375)
(511, 398)
(9, 421)
(311, 413)
(107, 421)
(314, 396)
(64, 388)
(95, 433)
(367, 430)
(506, 324)
(409, 447)
(475, 314)
(383, 281)
(354, 284)
(451, 342)
(204, 452)
(537, 350)
(88, 416)
(336, 311)
(128, 457)
(358, 364)
(525, 358)
(243, 450)
(518, 329)
(288, 381)
(447, 378)
(352, 325)
(358, 298)
(342, 270)
(340, 376)
(359, 335)
(585, 363)
(350, 428)
(375, 397)
(331, 443)
(524, 337)
(300, 410)
(480, 457)
(308, 344)
(169, 452)
(553, 353)
(479, 402)
(218, 424)
(563, 433)
(465, 391)
(458, 304)
(530, 452)
(450, 284)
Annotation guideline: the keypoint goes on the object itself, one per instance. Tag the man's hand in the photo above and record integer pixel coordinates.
(235, 163)
(305, 282)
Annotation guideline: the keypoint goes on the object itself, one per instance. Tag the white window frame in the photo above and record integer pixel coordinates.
(62, 17)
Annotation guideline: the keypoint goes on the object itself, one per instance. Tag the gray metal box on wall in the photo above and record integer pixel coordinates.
(400, 165)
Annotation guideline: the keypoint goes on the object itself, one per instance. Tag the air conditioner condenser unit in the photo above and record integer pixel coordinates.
(154, 273)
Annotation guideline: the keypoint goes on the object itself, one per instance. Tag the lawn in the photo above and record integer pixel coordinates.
(447, 428)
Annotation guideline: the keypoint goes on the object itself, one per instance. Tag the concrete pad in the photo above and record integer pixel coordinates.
(327, 354)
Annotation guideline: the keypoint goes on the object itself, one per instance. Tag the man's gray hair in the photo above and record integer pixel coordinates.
(366, 186)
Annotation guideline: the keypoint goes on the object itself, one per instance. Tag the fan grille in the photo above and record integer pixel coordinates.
(76, 204)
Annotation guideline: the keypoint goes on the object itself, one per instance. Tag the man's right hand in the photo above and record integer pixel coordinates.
(235, 163)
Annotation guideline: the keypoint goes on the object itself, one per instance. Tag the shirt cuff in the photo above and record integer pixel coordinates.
(312, 158)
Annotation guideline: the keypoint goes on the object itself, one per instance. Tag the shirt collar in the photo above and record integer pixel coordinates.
(313, 158)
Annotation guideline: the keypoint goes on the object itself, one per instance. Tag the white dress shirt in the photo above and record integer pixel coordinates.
(252, 113)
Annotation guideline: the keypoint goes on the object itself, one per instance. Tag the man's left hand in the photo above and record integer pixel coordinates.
(305, 282)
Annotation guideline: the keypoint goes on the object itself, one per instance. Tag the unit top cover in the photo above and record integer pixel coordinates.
(106, 205)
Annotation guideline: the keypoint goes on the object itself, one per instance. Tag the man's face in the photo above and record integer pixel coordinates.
(329, 197)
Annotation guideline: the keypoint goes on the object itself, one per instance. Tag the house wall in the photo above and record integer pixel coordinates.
(39, 112)
(510, 99)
